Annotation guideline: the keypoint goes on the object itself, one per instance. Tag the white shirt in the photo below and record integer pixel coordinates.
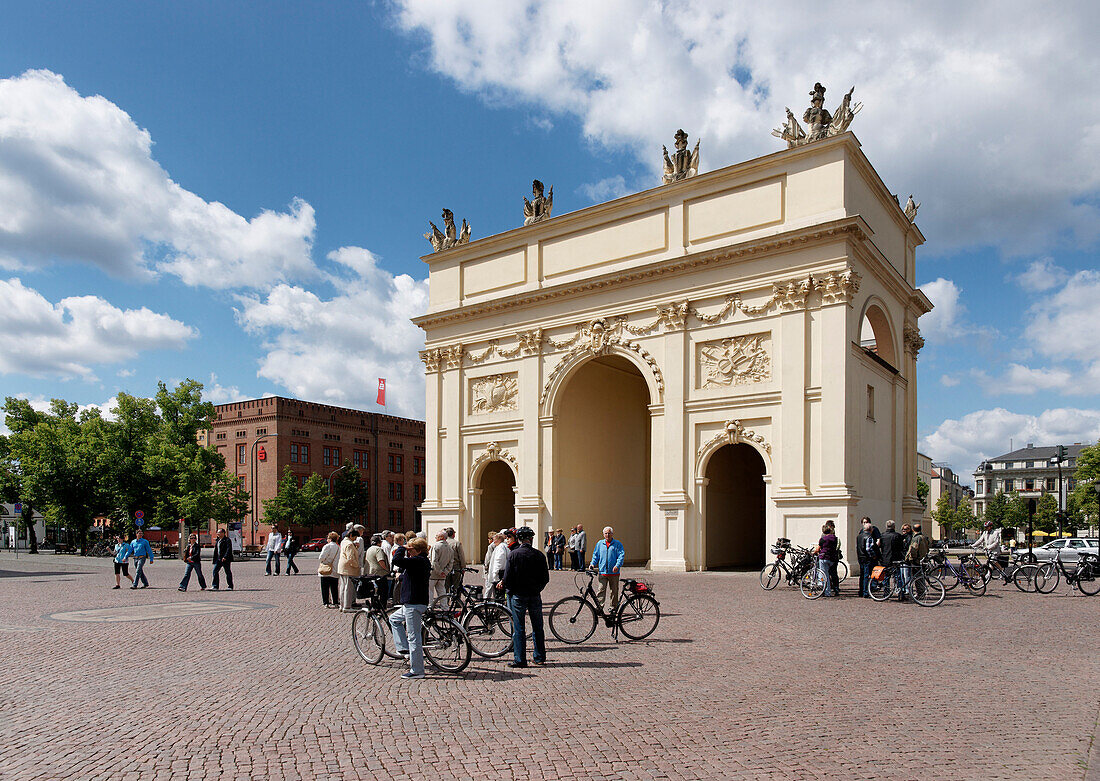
(275, 543)
(990, 542)
(387, 548)
(328, 555)
(496, 566)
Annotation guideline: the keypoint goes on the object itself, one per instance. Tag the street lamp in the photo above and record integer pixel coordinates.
(332, 474)
(254, 499)
(1059, 457)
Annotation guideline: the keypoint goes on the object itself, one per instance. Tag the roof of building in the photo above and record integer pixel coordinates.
(1041, 453)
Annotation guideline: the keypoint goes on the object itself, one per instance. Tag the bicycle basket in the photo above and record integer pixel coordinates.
(369, 589)
(878, 573)
(638, 587)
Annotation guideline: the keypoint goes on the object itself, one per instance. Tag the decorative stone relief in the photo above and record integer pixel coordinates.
(674, 316)
(493, 452)
(837, 286)
(448, 237)
(913, 340)
(539, 207)
(739, 360)
(733, 433)
(819, 122)
(495, 393)
(911, 208)
(792, 295)
(530, 342)
(431, 359)
(682, 164)
(452, 356)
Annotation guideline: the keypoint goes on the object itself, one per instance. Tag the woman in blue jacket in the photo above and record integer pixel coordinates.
(122, 558)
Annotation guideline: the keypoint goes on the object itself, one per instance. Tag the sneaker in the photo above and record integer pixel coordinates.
(181, 588)
(114, 587)
(409, 676)
(229, 589)
(517, 664)
(215, 588)
(202, 588)
(539, 664)
(133, 587)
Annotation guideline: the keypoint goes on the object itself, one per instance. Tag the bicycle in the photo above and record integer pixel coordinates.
(968, 571)
(573, 619)
(487, 623)
(102, 549)
(993, 566)
(1085, 577)
(779, 569)
(926, 591)
(446, 646)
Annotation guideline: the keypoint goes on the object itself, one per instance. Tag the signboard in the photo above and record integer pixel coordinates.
(18, 508)
(139, 522)
(261, 454)
(139, 514)
(235, 526)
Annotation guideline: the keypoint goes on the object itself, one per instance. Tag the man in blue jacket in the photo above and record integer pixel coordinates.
(143, 554)
(607, 558)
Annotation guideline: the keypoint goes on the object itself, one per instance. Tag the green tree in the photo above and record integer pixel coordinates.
(964, 515)
(1046, 514)
(922, 491)
(125, 484)
(944, 514)
(1083, 502)
(349, 496)
(996, 510)
(1016, 511)
(228, 501)
(315, 506)
(282, 509)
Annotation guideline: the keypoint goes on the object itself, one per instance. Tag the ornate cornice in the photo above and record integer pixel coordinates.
(913, 340)
(846, 227)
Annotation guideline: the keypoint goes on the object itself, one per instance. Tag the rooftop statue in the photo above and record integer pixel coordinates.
(819, 122)
(539, 207)
(911, 209)
(445, 240)
(682, 164)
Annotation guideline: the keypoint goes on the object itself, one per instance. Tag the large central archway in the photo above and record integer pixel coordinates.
(496, 503)
(735, 508)
(602, 454)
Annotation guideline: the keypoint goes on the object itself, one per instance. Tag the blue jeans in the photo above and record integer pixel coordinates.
(139, 571)
(273, 555)
(218, 566)
(865, 578)
(289, 563)
(407, 635)
(519, 607)
(197, 569)
(903, 579)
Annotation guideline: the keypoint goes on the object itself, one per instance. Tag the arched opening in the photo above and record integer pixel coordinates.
(735, 508)
(602, 454)
(876, 337)
(497, 502)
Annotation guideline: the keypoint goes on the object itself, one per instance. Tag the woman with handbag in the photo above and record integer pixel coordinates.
(326, 569)
(349, 571)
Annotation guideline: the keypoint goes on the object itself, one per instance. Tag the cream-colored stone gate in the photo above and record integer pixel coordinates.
(614, 357)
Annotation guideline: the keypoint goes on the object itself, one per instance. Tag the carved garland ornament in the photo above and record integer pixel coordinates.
(733, 433)
(494, 452)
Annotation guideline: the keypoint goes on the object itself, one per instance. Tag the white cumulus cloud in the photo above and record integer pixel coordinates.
(936, 80)
(66, 339)
(78, 183)
(333, 350)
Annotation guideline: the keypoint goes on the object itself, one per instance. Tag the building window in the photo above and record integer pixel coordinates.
(220, 435)
(395, 463)
(242, 433)
(336, 456)
(302, 480)
(395, 519)
(303, 454)
(870, 402)
(360, 459)
(261, 431)
(242, 453)
(418, 465)
(1050, 484)
(326, 456)
(395, 492)
(293, 453)
(979, 486)
(1029, 485)
(1010, 485)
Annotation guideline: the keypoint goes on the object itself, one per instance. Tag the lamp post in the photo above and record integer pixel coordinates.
(254, 499)
(1059, 457)
(332, 474)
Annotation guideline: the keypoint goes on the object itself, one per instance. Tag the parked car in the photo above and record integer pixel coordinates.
(1065, 549)
(315, 544)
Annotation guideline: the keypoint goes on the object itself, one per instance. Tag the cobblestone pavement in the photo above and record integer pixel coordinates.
(735, 684)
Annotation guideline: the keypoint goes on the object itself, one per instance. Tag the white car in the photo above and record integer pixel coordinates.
(1066, 549)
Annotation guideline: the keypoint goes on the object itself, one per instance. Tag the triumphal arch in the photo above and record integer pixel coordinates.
(708, 365)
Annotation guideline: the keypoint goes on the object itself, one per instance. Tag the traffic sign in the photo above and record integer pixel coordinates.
(139, 522)
(139, 514)
(18, 508)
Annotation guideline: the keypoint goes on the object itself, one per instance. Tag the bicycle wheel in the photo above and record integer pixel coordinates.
(489, 627)
(1046, 578)
(1089, 582)
(813, 583)
(879, 589)
(389, 648)
(638, 616)
(770, 576)
(446, 646)
(945, 575)
(368, 635)
(926, 591)
(572, 620)
(841, 570)
(1024, 578)
(974, 584)
(449, 603)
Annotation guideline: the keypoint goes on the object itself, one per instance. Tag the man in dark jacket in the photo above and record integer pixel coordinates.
(223, 558)
(892, 546)
(525, 576)
(868, 553)
(192, 557)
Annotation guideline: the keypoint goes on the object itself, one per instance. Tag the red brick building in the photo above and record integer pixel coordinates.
(261, 437)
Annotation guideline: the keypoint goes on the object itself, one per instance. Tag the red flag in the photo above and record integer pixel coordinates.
(382, 392)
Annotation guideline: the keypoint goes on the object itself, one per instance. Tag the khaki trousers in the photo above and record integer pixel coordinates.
(605, 582)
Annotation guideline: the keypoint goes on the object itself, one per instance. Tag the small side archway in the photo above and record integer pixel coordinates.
(493, 490)
(876, 335)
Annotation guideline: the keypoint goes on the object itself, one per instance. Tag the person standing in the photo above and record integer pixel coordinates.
(378, 566)
(349, 569)
(399, 541)
(559, 549)
(223, 560)
(495, 539)
(387, 544)
(607, 559)
(416, 570)
(914, 555)
(143, 554)
(570, 546)
(828, 554)
(499, 563)
(274, 550)
(193, 558)
(326, 569)
(525, 576)
(442, 559)
(903, 569)
(892, 547)
(458, 564)
(549, 548)
(122, 558)
(581, 544)
(868, 550)
(291, 546)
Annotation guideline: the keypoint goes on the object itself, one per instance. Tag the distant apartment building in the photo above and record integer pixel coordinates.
(260, 438)
(1027, 472)
(944, 481)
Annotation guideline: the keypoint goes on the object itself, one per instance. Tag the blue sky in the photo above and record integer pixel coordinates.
(244, 201)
